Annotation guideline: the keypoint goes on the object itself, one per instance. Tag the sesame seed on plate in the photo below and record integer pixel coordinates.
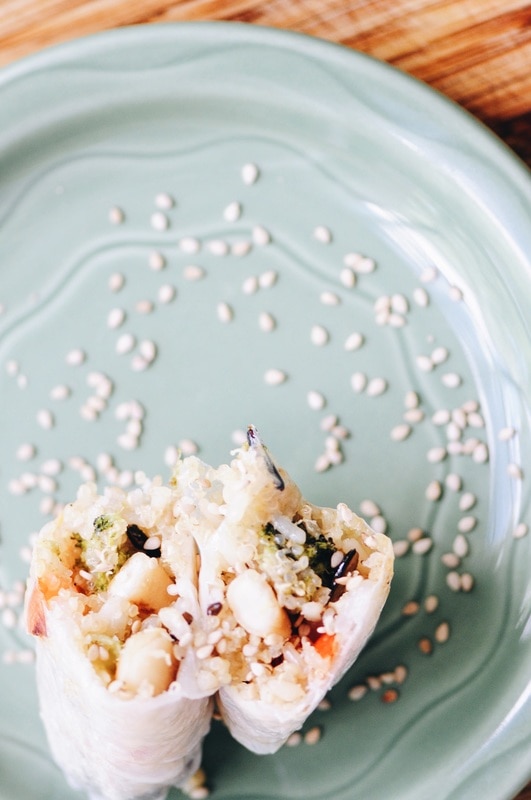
(442, 632)
(260, 236)
(189, 244)
(164, 201)
(115, 318)
(116, 215)
(433, 491)
(376, 387)
(520, 530)
(421, 297)
(159, 221)
(429, 274)
(453, 581)
(156, 261)
(422, 546)
(400, 547)
(451, 380)
(144, 306)
(45, 419)
(506, 433)
(266, 322)
(467, 501)
(453, 482)
(411, 400)
(224, 312)
(316, 400)
(424, 363)
(467, 582)
(425, 645)
(192, 272)
(378, 523)
(450, 560)
(515, 471)
(75, 357)
(414, 415)
(347, 276)
(455, 293)
(369, 508)
(267, 279)
(439, 355)
(116, 282)
(460, 546)
(125, 343)
(322, 234)
(250, 285)
(431, 603)
(329, 298)
(480, 453)
(410, 608)
(249, 174)
(319, 336)
(60, 392)
(312, 736)
(436, 454)
(467, 524)
(274, 377)
(241, 248)
(166, 293)
(356, 693)
(354, 341)
(25, 452)
(232, 212)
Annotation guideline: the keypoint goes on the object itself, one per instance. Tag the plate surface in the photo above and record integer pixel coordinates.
(207, 225)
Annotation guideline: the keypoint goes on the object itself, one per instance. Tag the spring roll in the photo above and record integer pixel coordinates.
(108, 579)
(296, 591)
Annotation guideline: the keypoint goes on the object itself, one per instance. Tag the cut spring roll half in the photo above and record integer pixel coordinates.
(296, 591)
(108, 578)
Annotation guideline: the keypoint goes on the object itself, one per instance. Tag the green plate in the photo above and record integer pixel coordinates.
(339, 256)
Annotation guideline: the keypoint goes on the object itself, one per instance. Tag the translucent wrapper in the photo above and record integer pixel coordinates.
(298, 590)
(117, 720)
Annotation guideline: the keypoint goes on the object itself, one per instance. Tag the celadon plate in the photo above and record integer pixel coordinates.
(207, 225)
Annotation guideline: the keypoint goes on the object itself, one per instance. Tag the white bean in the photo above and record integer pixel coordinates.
(147, 660)
(143, 581)
(255, 606)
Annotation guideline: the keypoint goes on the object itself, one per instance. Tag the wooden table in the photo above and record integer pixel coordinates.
(478, 52)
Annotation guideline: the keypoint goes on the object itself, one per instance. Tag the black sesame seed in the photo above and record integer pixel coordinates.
(214, 609)
(138, 539)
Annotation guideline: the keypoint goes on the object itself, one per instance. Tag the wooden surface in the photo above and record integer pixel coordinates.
(478, 52)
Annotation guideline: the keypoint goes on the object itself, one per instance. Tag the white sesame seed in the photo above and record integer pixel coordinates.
(274, 377)
(480, 453)
(322, 463)
(232, 212)
(358, 382)
(429, 274)
(396, 320)
(164, 201)
(250, 285)
(369, 508)
(433, 491)
(453, 482)
(347, 276)
(316, 400)
(329, 298)
(364, 265)
(138, 363)
(328, 422)
(424, 363)
(125, 343)
(52, 467)
(421, 297)
(442, 632)
(322, 234)
(225, 312)
(312, 736)
(467, 524)
(436, 454)
(75, 357)
(467, 582)
(399, 304)
(241, 248)
(166, 293)
(127, 442)
(193, 273)
(115, 318)
(411, 400)
(25, 452)
(455, 294)
(116, 282)
(45, 419)
(460, 546)
(515, 471)
(441, 417)
(506, 433)
(156, 261)
(189, 244)
(414, 415)
(451, 380)
(354, 341)
(266, 322)
(439, 355)
(376, 387)
(450, 560)
(400, 547)
(116, 215)
(356, 693)
(378, 523)
(148, 350)
(431, 603)
(453, 581)
(159, 221)
(171, 455)
(260, 236)
(467, 501)
(400, 432)
(144, 306)
(9, 618)
(319, 336)
(267, 279)
(475, 420)
(422, 546)
(521, 530)
(249, 174)
(382, 303)
(60, 392)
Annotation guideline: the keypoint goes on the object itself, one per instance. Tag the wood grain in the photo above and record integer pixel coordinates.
(477, 52)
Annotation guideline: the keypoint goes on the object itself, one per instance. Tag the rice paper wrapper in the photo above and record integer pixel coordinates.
(111, 747)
